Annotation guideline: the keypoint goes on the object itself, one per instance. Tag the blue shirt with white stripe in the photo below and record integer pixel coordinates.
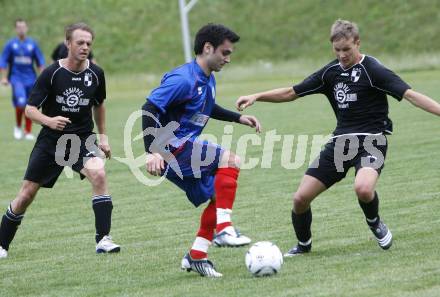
(20, 56)
(186, 95)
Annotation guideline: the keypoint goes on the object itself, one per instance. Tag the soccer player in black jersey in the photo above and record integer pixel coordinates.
(356, 86)
(68, 92)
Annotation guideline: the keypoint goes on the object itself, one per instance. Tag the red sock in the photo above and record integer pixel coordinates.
(225, 186)
(208, 219)
(28, 127)
(18, 115)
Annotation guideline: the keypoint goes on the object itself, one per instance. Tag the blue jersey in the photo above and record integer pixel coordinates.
(20, 57)
(186, 95)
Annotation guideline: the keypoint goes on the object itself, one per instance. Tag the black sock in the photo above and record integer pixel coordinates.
(371, 210)
(301, 224)
(102, 206)
(8, 227)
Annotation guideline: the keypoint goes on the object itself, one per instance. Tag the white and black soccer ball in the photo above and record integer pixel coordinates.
(263, 259)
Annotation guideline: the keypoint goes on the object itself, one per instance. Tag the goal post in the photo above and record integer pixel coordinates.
(184, 10)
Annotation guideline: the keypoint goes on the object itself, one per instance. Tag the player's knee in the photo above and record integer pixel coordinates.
(364, 191)
(234, 161)
(300, 201)
(230, 159)
(97, 177)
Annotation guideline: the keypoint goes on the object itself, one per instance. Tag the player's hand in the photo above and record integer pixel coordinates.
(4, 81)
(245, 101)
(58, 123)
(250, 121)
(104, 146)
(155, 164)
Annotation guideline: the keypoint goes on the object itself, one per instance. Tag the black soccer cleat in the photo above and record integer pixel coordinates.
(299, 249)
(383, 235)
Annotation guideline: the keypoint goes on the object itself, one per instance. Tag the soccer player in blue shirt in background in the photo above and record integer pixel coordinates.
(174, 116)
(17, 68)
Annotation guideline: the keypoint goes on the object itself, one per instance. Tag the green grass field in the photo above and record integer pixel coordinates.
(53, 252)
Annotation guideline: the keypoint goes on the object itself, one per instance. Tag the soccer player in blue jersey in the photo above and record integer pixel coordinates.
(356, 87)
(174, 116)
(17, 58)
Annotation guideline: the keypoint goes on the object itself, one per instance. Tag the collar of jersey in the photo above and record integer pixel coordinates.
(200, 71)
(88, 65)
(360, 62)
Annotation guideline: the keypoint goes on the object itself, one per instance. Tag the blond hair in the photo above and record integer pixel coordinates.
(344, 29)
(80, 26)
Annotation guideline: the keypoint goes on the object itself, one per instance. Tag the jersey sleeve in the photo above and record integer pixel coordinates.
(41, 88)
(101, 91)
(313, 84)
(173, 89)
(386, 80)
(38, 55)
(5, 56)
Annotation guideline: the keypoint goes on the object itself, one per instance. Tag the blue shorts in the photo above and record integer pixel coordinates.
(194, 168)
(21, 91)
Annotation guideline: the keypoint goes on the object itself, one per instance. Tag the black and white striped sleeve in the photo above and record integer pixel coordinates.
(387, 81)
(313, 84)
(41, 88)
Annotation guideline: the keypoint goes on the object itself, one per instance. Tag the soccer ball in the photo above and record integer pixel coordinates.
(263, 259)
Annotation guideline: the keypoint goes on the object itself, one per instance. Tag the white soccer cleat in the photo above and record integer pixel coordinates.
(106, 245)
(29, 136)
(3, 253)
(231, 238)
(18, 133)
(204, 267)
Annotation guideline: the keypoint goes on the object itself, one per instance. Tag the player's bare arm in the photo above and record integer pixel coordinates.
(422, 101)
(275, 96)
(54, 123)
(3, 79)
(99, 116)
(250, 121)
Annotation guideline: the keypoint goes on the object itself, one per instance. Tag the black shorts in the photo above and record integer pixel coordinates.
(52, 152)
(344, 152)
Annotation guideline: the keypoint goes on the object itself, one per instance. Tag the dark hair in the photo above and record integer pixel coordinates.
(80, 26)
(215, 34)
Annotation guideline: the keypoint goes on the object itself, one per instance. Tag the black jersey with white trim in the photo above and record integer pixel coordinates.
(357, 94)
(61, 92)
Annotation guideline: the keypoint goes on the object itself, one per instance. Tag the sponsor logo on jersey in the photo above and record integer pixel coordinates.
(345, 74)
(87, 79)
(23, 60)
(343, 96)
(199, 90)
(199, 119)
(72, 98)
(30, 47)
(76, 78)
(355, 74)
(15, 45)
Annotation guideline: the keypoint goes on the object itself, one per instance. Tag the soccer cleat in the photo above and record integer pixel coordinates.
(18, 133)
(231, 238)
(106, 245)
(29, 136)
(383, 235)
(298, 250)
(204, 267)
(3, 253)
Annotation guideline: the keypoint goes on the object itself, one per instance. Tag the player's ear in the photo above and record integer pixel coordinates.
(207, 48)
(357, 42)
